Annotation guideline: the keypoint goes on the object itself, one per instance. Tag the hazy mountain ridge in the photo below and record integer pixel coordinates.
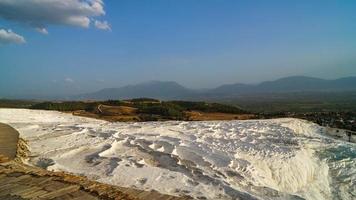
(173, 90)
(292, 84)
(153, 89)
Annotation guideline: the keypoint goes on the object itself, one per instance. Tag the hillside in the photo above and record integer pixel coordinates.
(145, 109)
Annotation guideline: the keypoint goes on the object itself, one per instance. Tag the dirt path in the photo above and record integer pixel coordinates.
(19, 181)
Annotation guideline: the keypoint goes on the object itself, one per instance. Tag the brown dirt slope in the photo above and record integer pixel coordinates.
(8, 141)
(204, 116)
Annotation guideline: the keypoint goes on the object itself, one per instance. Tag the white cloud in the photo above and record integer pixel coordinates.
(39, 14)
(8, 37)
(69, 80)
(104, 25)
(42, 30)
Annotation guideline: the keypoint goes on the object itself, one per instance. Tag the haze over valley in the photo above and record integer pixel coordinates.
(173, 90)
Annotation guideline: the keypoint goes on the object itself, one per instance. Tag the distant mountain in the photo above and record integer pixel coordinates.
(153, 89)
(289, 84)
(172, 90)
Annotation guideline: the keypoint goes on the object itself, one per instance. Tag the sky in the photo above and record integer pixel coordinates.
(65, 47)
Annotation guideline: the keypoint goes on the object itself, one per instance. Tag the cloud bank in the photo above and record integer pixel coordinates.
(39, 14)
(8, 37)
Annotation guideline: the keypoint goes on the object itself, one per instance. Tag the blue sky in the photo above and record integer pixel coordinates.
(198, 43)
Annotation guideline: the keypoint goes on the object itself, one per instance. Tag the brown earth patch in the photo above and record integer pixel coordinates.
(204, 116)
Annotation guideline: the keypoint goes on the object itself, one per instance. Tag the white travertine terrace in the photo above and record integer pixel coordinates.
(252, 159)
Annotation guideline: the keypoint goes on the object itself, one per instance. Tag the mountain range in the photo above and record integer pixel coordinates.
(172, 90)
